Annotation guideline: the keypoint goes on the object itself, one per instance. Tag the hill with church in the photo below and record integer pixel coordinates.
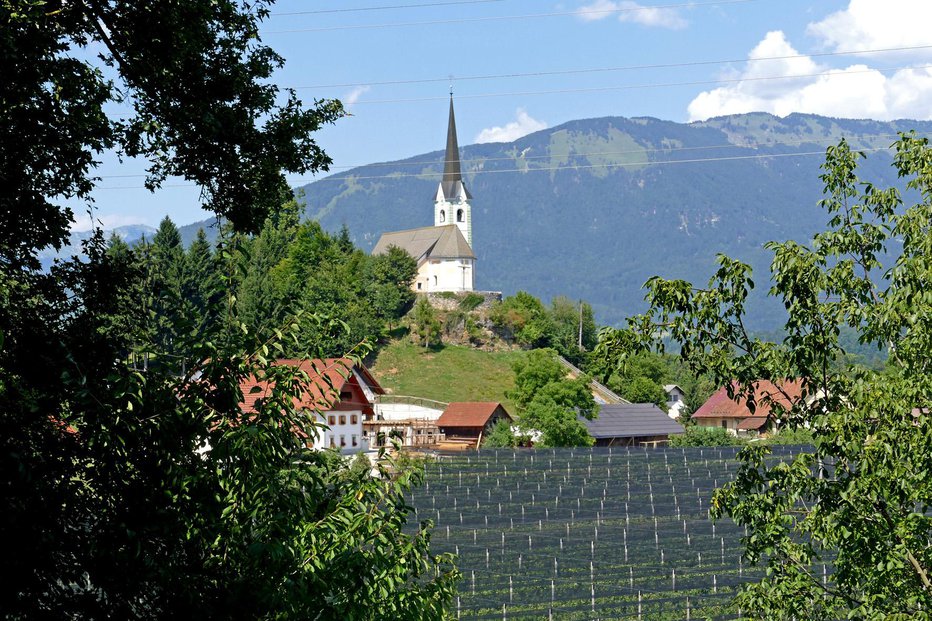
(592, 208)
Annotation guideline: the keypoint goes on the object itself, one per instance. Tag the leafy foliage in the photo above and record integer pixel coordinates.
(705, 436)
(146, 491)
(860, 499)
(551, 404)
(424, 323)
(500, 436)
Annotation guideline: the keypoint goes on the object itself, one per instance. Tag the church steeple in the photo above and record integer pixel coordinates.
(452, 183)
(451, 204)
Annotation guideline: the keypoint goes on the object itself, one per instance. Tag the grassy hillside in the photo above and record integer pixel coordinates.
(452, 373)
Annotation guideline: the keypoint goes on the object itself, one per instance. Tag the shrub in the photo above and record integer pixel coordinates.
(706, 436)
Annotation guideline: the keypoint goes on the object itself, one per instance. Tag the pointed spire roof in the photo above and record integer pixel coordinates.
(452, 183)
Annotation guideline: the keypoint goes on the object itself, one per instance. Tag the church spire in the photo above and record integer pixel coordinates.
(452, 184)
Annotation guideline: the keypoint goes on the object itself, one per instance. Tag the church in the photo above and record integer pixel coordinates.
(445, 259)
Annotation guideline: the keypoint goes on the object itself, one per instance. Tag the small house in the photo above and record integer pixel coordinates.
(676, 400)
(736, 415)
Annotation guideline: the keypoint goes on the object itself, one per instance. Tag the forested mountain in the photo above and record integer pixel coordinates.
(592, 208)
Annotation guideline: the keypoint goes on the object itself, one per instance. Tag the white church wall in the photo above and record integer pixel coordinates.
(445, 275)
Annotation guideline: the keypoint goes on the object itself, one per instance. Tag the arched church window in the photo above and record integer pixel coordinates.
(460, 215)
(443, 216)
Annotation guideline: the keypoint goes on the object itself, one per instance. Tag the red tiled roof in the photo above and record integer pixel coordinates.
(752, 423)
(326, 378)
(469, 414)
(719, 405)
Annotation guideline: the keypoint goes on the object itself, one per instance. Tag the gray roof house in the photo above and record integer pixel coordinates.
(632, 424)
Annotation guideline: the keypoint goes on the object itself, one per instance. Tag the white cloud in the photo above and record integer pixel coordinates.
(855, 91)
(522, 126)
(353, 96)
(629, 11)
(872, 24)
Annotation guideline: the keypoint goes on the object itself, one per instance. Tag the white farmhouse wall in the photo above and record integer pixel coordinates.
(342, 432)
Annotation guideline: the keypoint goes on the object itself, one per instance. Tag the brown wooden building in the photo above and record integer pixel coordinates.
(468, 421)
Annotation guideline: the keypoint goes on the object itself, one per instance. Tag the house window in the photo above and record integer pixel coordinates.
(460, 215)
(342, 441)
(332, 442)
(353, 419)
(419, 286)
(724, 424)
(355, 440)
(342, 419)
(443, 216)
(435, 281)
(331, 420)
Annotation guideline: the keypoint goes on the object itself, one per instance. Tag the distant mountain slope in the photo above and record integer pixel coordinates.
(593, 208)
(130, 233)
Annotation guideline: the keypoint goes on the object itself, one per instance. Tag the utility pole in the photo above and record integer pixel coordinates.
(580, 325)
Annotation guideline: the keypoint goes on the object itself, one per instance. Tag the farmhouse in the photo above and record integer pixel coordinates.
(631, 424)
(736, 415)
(468, 421)
(445, 259)
(341, 393)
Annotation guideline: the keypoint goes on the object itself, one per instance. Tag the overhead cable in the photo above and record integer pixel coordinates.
(493, 18)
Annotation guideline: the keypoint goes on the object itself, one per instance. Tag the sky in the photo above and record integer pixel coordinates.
(518, 66)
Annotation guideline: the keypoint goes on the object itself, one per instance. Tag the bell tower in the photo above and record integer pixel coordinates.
(451, 204)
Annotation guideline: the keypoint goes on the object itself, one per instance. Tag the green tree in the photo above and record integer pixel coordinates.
(110, 508)
(555, 411)
(643, 390)
(500, 436)
(533, 371)
(201, 286)
(568, 319)
(424, 323)
(550, 403)
(266, 294)
(865, 511)
(166, 281)
(389, 284)
(525, 319)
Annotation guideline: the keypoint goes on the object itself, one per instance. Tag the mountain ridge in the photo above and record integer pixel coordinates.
(592, 208)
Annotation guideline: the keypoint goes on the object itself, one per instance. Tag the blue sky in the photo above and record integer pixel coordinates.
(675, 60)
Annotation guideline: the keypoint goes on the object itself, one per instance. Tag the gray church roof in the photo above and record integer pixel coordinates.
(626, 420)
(452, 183)
(427, 242)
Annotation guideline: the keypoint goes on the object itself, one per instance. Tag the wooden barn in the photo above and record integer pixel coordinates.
(466, 422)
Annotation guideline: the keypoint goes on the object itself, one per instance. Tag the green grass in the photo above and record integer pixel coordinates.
(452, 373)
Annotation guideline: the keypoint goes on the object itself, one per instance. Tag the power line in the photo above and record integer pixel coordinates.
(696, 63)
(383, 8)
(729, 145)
(628, 9)
(599, 89)
(435, 175)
